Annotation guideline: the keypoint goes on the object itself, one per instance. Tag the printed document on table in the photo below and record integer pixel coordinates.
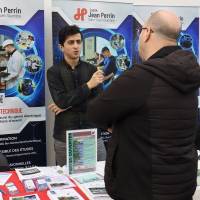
(64, 194)
(95, 190)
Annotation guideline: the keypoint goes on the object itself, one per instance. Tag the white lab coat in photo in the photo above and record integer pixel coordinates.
(15, 67)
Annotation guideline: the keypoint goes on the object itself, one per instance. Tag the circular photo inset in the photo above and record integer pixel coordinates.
(26, 86)
(33, 63)
(117, 41)
(123, 62)
(25, 40)
(186, 41)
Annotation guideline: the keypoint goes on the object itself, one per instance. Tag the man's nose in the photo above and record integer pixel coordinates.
(76, 44)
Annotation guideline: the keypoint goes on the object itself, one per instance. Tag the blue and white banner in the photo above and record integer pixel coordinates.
(22, 79)
(103, 25)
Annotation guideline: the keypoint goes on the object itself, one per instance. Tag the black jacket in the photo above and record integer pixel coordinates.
(69, 90)
(153, 111)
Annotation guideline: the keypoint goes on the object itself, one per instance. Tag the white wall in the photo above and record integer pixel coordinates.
(48, 61)
(156, 2)
(49, 54)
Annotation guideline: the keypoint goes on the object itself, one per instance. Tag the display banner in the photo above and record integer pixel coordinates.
(103, 25)
(22, 79)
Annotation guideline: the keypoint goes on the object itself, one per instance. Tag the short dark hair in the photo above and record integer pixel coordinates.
(104, 49)
(67, 31)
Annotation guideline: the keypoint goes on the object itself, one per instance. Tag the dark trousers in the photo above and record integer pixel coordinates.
(4, 166)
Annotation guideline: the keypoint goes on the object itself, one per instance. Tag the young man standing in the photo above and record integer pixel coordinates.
(72, 84)
(109, 64)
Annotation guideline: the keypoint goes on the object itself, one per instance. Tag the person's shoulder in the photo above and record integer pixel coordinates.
(112, 57)
(54, 68)
(17, 57)
(136, 70)
(17, 53)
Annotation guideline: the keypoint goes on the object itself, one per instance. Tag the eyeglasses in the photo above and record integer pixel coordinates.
(139, 30)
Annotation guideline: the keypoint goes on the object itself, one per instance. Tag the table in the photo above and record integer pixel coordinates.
(43, 194)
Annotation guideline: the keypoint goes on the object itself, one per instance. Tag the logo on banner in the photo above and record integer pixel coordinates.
(94, 15)
(10, 12)
(80, 14)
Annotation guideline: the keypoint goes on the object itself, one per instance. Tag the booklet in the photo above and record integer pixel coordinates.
(81, 151)
(29, 173)
(68, 194)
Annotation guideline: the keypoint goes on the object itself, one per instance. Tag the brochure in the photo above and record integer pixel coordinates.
(95, 189)
(67, 194)
(38, 172)
(59, 182)
(81, 151)
(87, 177)
(29, 173)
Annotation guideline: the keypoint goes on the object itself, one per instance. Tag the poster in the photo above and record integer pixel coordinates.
(22, 76)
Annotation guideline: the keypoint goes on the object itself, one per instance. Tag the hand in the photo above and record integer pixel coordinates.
(96, 79)
(111, 75)
(54, 108)
(109, 130)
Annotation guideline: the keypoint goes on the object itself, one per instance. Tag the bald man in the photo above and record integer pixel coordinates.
(152, 112)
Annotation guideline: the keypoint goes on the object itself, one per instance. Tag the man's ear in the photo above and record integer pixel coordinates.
(147, 34)
(61, 47)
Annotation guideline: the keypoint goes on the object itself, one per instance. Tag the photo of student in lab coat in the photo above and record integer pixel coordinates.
(14, 65)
